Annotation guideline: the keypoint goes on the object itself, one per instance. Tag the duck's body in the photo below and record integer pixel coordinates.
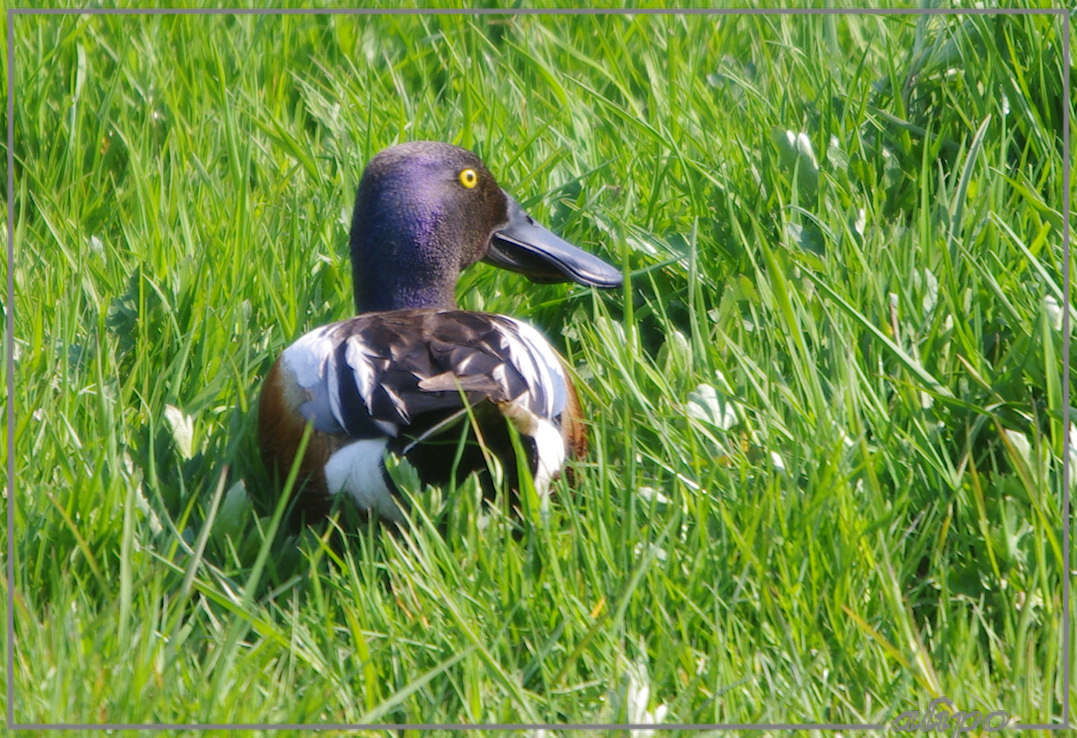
(397, 381)
(412, 373)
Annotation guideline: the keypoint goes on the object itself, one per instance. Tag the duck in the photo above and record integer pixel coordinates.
(412, 372)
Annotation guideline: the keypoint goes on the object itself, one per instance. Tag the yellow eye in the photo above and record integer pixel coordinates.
(468, 178)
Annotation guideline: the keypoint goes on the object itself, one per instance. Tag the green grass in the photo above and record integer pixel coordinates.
(826, 408)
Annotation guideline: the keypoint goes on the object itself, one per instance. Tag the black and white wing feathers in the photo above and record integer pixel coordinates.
(379, 373)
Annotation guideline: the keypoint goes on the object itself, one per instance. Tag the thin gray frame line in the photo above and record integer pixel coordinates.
(1039, 726)
(1066, 471)
(9, 325)
(450, 726)
(539, 11)
(9, 346)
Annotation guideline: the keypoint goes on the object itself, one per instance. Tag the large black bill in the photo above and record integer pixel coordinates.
(526, 247)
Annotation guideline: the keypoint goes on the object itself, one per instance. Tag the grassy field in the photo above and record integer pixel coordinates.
(826, 409)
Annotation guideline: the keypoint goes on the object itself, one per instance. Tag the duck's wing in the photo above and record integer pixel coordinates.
(408, 381)
(381, 373)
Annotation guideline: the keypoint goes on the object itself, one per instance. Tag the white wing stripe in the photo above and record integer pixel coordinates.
(306, 359)
(359, 359)
(531, 353)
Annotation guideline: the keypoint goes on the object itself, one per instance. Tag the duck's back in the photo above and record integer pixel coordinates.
(410, 382)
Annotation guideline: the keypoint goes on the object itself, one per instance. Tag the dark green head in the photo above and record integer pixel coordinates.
(427, 210)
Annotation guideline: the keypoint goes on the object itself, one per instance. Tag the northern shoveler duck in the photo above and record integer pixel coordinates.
(412, 372)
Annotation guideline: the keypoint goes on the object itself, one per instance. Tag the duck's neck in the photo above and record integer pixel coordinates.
(388, 289)
(394, 268)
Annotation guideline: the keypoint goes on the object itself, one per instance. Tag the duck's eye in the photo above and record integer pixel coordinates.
(469, 178)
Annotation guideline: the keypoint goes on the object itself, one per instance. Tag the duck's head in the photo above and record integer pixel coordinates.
(426, 210)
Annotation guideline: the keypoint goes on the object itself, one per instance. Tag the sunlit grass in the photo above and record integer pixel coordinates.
(826, 409)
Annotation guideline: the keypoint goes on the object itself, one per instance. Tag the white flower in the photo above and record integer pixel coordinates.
(182, 427)
(1020, 444)
(652, 495)
(776, 461)
(704, 404)
(1053, 311)
(636, 697)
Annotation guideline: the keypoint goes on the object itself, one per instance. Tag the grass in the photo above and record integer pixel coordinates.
(826, 409)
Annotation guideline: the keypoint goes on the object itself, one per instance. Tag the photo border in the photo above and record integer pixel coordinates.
(9, 336)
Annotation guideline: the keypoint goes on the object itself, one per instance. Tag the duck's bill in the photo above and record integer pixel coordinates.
(526, 247)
